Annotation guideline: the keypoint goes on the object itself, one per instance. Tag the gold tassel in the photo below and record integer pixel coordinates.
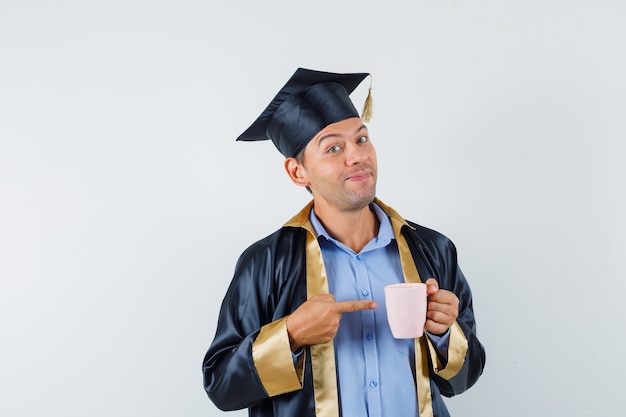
(368, 106)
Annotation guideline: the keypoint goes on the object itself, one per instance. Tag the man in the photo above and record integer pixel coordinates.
(303, 329)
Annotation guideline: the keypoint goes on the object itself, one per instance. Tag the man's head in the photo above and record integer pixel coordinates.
(338, 166)
(314, 124)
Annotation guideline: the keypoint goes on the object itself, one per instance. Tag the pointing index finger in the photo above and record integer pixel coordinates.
(355, 305)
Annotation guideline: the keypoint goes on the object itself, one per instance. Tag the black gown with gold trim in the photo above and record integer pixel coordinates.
(249, 363)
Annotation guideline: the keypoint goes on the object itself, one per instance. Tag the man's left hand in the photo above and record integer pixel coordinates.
(443, 308)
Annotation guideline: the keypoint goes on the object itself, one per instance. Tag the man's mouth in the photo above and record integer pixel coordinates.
(359, 176)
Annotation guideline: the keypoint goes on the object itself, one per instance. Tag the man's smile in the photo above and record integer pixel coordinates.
(360, 175)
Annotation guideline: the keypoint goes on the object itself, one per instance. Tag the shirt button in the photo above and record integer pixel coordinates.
(358, 257)
(365, 293)
(373, 384)
(369, 336)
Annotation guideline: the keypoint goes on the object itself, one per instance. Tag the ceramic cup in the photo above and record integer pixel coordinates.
(406, 309)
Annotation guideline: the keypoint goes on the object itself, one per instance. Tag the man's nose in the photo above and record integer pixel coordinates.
(355, 155)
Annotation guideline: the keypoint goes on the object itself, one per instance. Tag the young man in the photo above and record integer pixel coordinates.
(303, 328)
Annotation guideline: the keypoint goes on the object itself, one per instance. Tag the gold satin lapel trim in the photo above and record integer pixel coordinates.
(272, 358)
(323, 355)
(302, 218)
(422, 379)
(424, 398)
(406, 259)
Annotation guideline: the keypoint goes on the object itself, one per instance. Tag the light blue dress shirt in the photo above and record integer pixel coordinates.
(375, 372)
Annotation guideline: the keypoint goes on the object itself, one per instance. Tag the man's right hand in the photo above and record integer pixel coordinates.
(317, 319)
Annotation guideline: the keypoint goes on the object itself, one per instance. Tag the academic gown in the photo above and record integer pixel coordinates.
(250, 364)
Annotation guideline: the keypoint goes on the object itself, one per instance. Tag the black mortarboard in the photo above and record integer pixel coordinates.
(310, 101)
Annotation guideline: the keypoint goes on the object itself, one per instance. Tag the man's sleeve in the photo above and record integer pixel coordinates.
(466, 355)
(250, 358)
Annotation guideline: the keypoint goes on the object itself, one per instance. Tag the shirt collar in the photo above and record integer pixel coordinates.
(385, 230)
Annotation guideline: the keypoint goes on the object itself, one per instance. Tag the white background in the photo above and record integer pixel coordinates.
(125, 201)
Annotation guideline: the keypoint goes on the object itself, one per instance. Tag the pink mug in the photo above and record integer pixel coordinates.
(406, 309)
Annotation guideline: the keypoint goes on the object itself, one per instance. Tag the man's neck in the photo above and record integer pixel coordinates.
(355, 228)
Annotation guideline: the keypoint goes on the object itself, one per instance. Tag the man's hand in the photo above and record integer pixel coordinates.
(317, 319)
(443, 308)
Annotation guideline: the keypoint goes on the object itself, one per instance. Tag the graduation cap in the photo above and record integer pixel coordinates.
(307, 103)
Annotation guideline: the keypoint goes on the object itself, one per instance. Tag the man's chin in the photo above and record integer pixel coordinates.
(358, 202)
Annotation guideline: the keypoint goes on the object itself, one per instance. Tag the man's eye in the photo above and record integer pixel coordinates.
(333, 149)
(362, 139)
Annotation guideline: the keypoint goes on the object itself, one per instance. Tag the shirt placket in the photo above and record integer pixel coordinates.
(370, 350)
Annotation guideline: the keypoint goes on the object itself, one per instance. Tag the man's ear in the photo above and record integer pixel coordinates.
(296, 172)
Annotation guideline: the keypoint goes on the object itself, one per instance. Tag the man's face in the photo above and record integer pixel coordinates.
(340, 166)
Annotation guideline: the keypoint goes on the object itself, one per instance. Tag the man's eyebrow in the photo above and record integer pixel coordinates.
(330, 135)
(361, 128)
